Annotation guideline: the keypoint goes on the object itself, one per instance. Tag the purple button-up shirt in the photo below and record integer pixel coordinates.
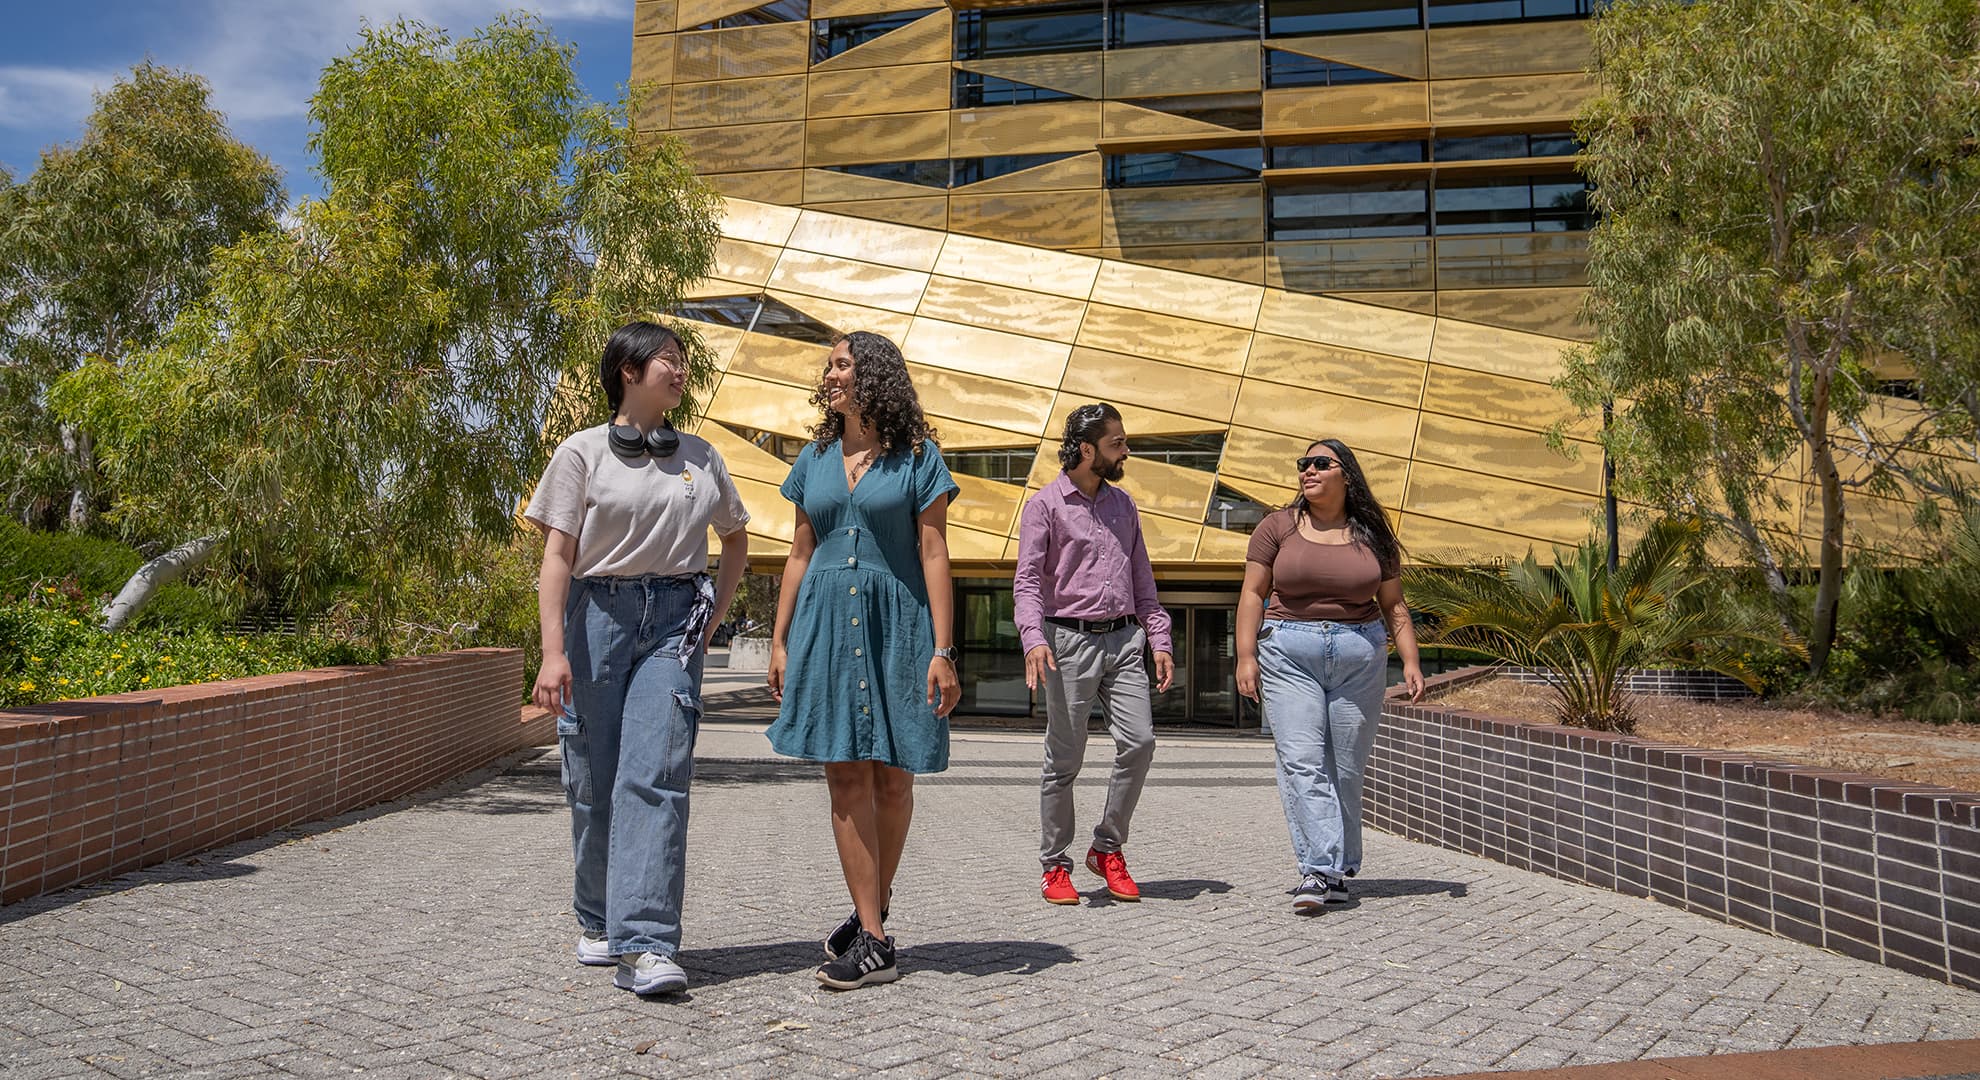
(1081, 558)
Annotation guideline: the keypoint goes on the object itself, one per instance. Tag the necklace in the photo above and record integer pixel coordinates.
(857, 469)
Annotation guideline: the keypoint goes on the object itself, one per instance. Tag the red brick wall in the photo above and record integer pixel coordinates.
(101, 786)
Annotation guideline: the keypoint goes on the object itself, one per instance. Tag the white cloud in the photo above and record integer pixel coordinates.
(48, 98)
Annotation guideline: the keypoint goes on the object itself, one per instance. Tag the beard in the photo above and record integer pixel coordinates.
(1113, 473)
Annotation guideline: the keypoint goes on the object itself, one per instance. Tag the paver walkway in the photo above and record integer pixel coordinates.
(432, 938)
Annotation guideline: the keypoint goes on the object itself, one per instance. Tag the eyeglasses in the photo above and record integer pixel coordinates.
(1317, 462)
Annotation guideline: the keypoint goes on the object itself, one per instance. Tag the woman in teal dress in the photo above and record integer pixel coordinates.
(862, 661)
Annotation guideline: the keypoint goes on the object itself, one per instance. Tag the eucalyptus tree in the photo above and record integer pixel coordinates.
(1788, 194)
(377, 384)
(101, 248)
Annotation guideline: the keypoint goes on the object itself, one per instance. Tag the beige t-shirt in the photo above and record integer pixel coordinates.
(640, 516)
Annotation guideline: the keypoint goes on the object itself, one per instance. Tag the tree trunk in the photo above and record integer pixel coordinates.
(155, 575)
(1828, 581)
(76, 443)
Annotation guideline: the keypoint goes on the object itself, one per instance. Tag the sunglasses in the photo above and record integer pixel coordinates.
(1318, 462)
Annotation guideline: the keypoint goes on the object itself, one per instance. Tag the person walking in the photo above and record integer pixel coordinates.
(861, 660)
(1321, 600)
(626, 607)
(1084, 600)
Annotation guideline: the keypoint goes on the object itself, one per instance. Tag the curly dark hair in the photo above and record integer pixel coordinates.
(883, 394)
(1084, 425)
(1366, 522)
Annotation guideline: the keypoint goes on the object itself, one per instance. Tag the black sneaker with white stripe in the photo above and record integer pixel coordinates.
(841, 938)
(868, 960)
(1316, 889)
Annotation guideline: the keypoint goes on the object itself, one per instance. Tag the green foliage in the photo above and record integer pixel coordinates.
(32, 561)
(1588, 627)
(51, 649)
(1790, 212)
(100, 249)
(363, 396)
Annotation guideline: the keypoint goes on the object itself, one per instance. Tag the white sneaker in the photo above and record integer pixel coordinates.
(593, 950)
(649, 973)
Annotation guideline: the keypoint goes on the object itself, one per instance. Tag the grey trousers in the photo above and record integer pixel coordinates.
(1107, 667)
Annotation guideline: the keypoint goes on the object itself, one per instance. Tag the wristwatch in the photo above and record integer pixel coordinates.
(948, 654)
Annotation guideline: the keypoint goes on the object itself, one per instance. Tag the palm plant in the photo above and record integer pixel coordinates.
(1585, 627)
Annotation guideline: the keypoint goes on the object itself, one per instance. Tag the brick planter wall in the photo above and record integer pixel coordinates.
(1874, 868)
(1692, 685)
(101, 786)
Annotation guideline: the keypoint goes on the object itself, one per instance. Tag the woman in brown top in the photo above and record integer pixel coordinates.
(1329, 565)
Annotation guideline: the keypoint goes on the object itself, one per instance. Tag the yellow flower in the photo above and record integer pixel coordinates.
(116, 656)
(75, 622)
(61, 682)
(147, 678)
(164, 659)
(26, 687)
(50, 589)
(34, 659)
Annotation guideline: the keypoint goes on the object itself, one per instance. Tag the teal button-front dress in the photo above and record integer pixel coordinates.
(860, 642)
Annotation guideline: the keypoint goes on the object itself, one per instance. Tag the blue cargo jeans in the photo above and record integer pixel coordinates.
(1322, 684)
(627, 738)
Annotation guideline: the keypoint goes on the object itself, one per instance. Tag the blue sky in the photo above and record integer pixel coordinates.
(261, 57)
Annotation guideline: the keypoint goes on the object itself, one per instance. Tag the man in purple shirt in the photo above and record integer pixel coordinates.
(1085, 609)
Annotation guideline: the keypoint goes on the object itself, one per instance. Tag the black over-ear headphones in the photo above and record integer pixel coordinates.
(627, 442)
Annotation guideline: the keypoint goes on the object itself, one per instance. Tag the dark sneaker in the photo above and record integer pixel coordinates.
(841, 938)
(1337, 892)
(1310, 894)
(868, 960)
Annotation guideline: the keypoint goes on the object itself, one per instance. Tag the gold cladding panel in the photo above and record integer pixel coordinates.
(845, 318)
(1221, 545)
(1339, 322)
(1498, 503)
(1422, 303)
(1068, 219)
(745, 147)
(692, 13)
(1268, 456)
(973, 545)
(994, 402)
(1398, 52)
(1260, 491)
(1116, 377)
(1329, 367)
(779, 359)
(1237, 262)
(771, 516)
(1138, 420)
(1161, 488)
(780, 186)
(763, 405)
(1000, 307)
(980, 351)
(923, 40)
(1185, 341)
(718, 341)
(745, 459)
(838, 9)
(848, 140)
(740, 260)
(1070, 73)
(852, 282)
(1170, 292)
(955, 434)
(1205, 214)
(872, 91)
(931, 212)
(1508, 452)
(758, 221)
(985, 505)
(1315, 414)
(1206, 68)
(1168, 539)
(1045, 128)
(1078, 171)
(1050, 272)
(1535, 98)
(1119, 120)
(1553, 312)
(1322, 107)
(1510, 49)
(739, 101)
(652, 108)
(653, 16)
(652, 61)
(1501, 352)
(1431, 538)
(826, 186)
(1495, 398)
(743, 52)
(893, 246)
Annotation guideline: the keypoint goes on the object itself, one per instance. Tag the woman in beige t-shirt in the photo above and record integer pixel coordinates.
(1318, 654)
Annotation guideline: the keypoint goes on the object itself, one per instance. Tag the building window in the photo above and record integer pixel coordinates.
(1348, 211)
(780, 12)
(830, 37)
(1010, 466)
(1339, 155)
(1292, 18)
(984, 33)
(1234, 510)
(1166, 23)
(1240, 112)
(1451, 12)
(1185, 167)
(1489, 147)
(975, 90)
(971, 170)
(933, 172)
(1201, 452)
(786, 447)
(1284, 70)
(1510, 204)
(760, 314)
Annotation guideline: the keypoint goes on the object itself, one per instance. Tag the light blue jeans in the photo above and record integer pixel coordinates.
(628, 746)
(1322, 684)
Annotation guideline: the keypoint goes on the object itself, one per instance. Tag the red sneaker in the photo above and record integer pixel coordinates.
(1058, 887)
(1112, 866)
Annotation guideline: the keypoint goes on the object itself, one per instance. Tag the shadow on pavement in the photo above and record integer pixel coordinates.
(1170, 889)
(713, 967)
(1391, 888)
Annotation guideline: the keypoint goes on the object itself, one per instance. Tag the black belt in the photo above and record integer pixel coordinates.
(1092, 626)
